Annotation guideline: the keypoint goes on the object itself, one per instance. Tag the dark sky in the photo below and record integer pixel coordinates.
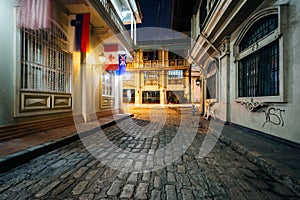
(150, 10)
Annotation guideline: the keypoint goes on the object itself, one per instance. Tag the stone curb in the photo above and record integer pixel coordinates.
(21, 157)
(269, 166)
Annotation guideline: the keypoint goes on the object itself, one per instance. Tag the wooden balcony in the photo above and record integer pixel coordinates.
(158, 64)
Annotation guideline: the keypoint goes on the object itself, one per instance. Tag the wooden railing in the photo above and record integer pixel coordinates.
(112, 15)
(157, 64)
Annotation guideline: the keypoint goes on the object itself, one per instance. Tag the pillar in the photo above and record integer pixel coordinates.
(224, 81)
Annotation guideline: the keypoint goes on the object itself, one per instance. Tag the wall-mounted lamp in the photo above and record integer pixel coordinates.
(101, 58)
(198, 81)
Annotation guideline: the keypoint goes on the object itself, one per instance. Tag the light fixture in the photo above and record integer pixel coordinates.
(198, 81)
(101, 58)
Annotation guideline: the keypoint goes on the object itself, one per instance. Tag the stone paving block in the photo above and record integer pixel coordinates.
(171, 177)
(258, 183)
(272, 195)
(127, 191)
(138, 165)
(282, 189)
(115, 188)
(123, 175)
(171, 192)
(65, 175)
(93, 162)
(80, 172)
(62, 187)
(181, 169)
(78, 189)
(128, 163)
(236, 193)
(149, 165)
(47, 189)
(187, 194)
(228, 180)
(59, 163)
(19, 187)
(184, 179)
(170, 168)
(157, 182)
(155, 194)
(132, 177)
(141, 191)
(91, 174)
(244, 184)
(146, 176)
(98, 185)
(86, 197)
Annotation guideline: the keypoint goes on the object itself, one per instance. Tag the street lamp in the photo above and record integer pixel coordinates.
(101, 58)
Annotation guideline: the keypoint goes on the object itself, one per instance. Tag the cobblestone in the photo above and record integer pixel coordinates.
(71, 172)
(141, 191)
(187, 194)
(115, 188)
(171, 192)
(47, 189)
(155, 194)
(127, 191)
(79, 187)
(133, 177)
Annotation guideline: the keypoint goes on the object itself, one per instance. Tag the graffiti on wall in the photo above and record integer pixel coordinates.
(274, 116)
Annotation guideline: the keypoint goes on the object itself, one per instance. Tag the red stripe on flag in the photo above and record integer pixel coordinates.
(111, 54)
(111, 48)
(85, 37)
(111, 67)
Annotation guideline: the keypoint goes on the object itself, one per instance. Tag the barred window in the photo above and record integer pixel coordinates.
(175, 77)
(45, 62)
(258, 70)
(107, 83)
(259, 30)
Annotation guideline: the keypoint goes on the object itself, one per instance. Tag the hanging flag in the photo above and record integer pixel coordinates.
(111, 55)
(34, 14)
(82, 32)
(122, 64)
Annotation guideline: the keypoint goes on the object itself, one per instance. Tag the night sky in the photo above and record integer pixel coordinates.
(150, 10)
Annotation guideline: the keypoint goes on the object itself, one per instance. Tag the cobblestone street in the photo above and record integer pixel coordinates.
(133, 168)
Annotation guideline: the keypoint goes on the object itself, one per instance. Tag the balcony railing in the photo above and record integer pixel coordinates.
(113, 17)
(157, 64)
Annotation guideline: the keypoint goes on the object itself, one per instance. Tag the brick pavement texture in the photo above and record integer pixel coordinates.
(72, 172)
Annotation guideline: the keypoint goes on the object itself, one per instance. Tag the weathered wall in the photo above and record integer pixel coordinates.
(288, 126)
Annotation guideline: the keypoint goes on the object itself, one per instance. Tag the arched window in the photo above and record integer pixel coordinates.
(258, 64)
(211, 86)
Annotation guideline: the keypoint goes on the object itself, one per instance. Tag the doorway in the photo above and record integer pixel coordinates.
(152, 97)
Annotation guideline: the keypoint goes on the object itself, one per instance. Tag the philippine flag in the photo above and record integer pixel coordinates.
(82, 32)
(111, 55)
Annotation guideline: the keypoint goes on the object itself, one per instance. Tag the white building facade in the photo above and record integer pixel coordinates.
(249, 55)
(42, 75)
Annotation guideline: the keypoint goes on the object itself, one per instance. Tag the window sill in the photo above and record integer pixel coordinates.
(254, 103)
